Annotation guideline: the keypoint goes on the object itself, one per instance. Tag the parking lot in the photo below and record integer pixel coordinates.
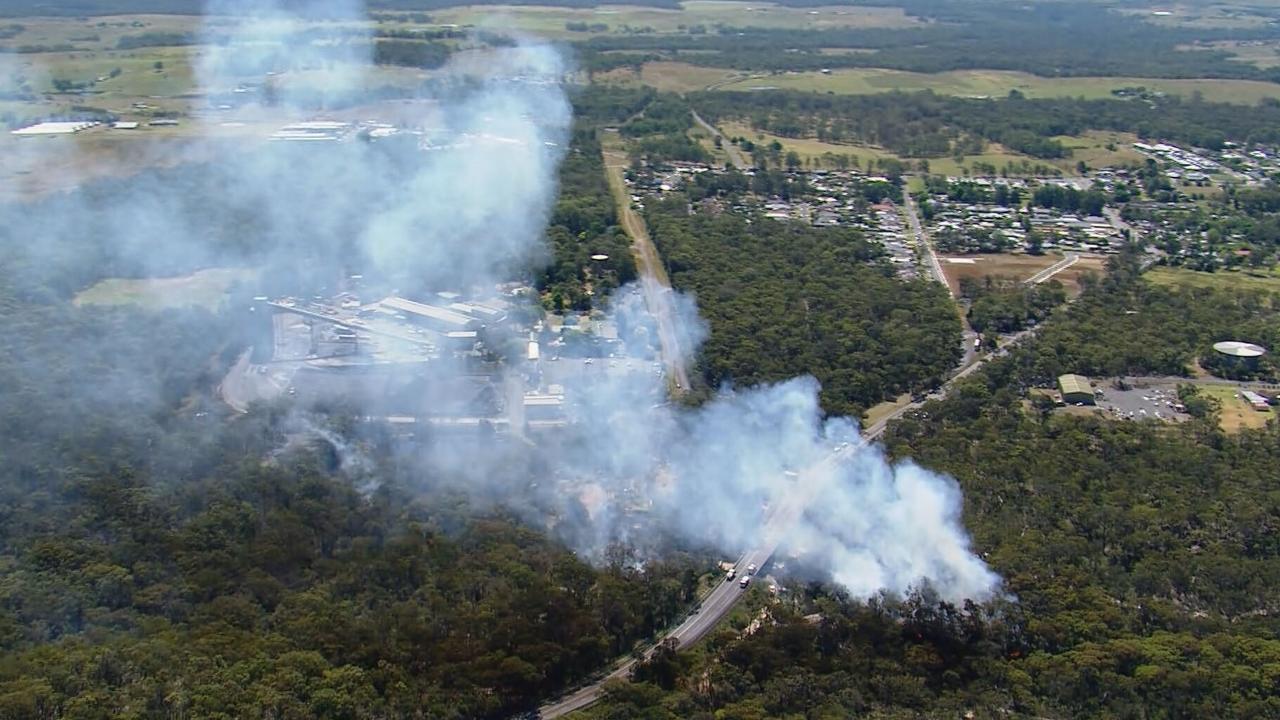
(1143, 401)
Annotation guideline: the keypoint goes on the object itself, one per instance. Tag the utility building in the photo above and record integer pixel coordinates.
(1075, 389)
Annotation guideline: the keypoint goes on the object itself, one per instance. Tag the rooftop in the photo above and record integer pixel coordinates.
(1074, 384)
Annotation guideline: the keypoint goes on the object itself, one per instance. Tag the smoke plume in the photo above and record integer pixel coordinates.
(460, 202)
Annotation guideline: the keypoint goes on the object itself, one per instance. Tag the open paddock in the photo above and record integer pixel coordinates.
(1264, 280)
(550, 20)
(1236, 414)
(1018, 267)
(998, 83)
(1090, 147)
(1004, 265)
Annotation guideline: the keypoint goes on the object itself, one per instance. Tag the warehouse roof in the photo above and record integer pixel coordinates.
(1072, 384)
(432, 312)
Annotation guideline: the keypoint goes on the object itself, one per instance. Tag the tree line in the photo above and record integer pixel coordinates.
(925, 124)
(1046, 40)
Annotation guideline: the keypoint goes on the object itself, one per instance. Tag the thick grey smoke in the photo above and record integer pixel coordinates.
(463, 203)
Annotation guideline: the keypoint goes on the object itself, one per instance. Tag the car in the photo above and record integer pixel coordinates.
(744, 582)
(751, 569)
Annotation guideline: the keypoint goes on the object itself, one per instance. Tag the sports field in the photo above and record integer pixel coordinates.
(998, 83)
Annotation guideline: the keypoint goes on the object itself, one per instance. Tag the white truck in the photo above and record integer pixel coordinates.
(744, 582)
(751, 569)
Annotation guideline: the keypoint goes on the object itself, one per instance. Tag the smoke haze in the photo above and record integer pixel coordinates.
(473, 214)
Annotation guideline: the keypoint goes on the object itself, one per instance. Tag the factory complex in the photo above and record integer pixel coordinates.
(442, 361)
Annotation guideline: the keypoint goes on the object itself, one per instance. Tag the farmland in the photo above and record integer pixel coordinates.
(551, 21)
(996, 83)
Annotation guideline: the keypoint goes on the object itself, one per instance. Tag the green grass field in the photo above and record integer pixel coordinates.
(1267, 280)
(1095, 148)
(205, 288)
(998, 83)
(93, 33)
(1236, 414)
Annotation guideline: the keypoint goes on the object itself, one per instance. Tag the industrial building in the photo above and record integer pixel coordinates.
(55, 128)
(436, 318)
(1258, 402)
(1075, 389)
(313, 131)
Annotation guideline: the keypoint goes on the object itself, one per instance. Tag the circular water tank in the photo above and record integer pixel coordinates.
(1235, 348)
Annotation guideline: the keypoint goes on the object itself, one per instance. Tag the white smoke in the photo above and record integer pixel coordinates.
(472, 215)
(306, 51)
(753, 453)
(473, 211)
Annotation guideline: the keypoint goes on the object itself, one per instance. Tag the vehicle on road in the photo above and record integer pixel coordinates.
(744, 582)
(731, 575)
(751, 569)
